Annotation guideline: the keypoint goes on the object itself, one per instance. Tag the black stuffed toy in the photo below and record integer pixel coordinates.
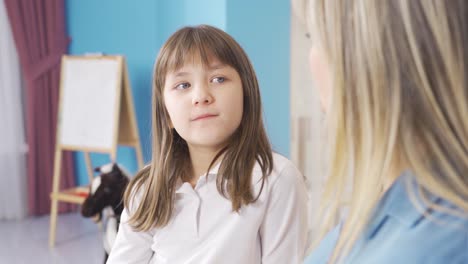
(105, 201)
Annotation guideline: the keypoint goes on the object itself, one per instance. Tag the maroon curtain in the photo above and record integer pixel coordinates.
(39, 32)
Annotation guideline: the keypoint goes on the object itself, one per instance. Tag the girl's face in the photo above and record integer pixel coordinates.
(205, 104)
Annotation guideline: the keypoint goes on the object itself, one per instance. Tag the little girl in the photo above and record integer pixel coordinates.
(214, 191)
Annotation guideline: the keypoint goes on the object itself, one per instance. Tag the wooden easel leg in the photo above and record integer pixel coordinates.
(53, 222)
(53, 196)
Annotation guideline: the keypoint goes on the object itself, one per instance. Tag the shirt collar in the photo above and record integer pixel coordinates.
(184, 187)
(399, 204)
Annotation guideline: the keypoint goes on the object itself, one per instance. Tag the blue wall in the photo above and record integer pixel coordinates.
(118, 27)
(138, 31)
(262, 27)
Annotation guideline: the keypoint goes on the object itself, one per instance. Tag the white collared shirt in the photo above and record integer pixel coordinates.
(205, 229)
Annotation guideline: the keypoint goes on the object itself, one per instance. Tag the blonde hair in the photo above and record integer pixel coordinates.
(155, 184)
(399, 96)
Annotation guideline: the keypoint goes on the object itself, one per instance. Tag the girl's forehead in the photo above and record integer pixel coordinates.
(209, 63)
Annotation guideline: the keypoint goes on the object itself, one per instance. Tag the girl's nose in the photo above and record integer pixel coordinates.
(202, 96)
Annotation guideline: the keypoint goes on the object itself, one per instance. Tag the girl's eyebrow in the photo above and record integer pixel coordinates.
(212, 67)
(181, 74)
(217, 66)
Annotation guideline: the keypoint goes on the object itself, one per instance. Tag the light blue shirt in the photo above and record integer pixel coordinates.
(400, 233)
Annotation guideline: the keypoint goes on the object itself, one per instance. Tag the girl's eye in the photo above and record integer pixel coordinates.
(218, 79)
(182, 86)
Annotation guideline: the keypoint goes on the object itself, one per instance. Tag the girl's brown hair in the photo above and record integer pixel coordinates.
(154, 186)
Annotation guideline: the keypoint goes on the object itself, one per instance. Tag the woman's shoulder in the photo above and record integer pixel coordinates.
(323, 250)
(411, 203)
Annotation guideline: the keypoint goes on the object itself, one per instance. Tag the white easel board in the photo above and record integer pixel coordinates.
(90, 89)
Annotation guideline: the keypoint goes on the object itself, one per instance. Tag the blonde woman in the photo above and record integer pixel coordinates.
(393, 77)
